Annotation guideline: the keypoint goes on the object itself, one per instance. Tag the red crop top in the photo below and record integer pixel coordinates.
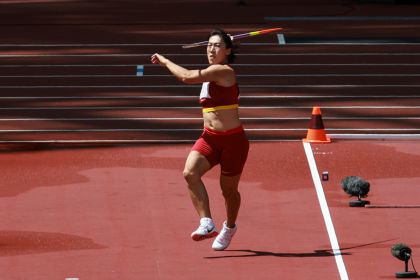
(214, 97)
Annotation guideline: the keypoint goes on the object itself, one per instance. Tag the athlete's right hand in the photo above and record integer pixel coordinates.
(158, 59)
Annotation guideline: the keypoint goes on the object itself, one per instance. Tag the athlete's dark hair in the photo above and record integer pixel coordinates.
(228, 42)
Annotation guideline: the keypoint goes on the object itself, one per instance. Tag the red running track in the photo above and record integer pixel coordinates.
(124, 213)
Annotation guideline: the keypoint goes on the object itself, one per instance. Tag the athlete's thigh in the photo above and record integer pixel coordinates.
(197, 163)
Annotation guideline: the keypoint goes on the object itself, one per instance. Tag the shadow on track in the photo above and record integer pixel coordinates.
(315, 253)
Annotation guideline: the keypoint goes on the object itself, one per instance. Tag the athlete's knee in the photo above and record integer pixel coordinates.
(191, 176)
(231, 194)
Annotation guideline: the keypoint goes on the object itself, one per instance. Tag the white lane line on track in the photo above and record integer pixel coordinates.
(325, 212)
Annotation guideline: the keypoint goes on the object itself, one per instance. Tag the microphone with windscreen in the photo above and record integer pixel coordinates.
(402, 252)
(356, 186)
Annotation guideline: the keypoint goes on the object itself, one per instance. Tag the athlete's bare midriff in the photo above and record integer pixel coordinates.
(222, 120)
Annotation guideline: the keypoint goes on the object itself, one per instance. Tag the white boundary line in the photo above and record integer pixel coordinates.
(325, 212)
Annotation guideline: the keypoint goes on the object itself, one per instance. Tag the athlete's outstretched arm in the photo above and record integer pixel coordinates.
(196, 76)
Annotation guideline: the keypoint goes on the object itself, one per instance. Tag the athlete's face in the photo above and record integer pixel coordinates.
(217, 52)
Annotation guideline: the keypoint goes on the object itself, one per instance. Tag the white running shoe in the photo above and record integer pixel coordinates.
(207, 229)
(222, 241)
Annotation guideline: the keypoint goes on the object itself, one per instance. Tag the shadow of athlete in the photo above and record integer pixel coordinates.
(254, 253)
(315, 253)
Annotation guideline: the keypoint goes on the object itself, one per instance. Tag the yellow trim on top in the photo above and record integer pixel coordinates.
(224, 107)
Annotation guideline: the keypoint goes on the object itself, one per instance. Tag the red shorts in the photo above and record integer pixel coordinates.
(227, 148)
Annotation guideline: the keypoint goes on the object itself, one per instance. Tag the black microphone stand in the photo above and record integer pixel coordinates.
(406, 273)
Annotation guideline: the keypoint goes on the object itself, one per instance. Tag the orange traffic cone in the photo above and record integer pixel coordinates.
(316, 131)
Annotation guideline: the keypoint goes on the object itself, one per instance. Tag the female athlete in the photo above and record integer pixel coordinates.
(223, 140)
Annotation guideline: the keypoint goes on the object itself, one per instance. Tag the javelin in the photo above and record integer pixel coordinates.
(235, 37)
